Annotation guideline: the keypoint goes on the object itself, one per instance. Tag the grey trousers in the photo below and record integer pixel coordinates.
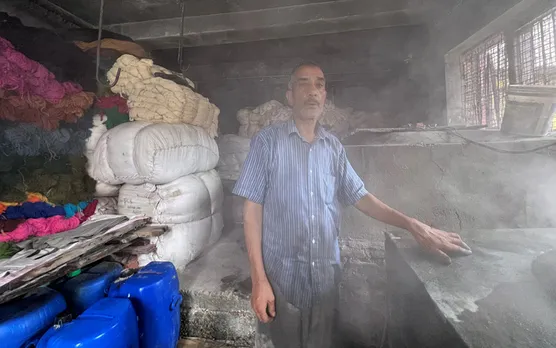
(314, 327)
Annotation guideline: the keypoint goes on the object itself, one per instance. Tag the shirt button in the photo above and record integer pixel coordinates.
(313, 217)
(310, 150)
(313, 241)
(311, 193)
(311, 171)
(313, 263)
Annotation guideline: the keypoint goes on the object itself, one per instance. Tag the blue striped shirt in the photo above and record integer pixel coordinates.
(301, 186)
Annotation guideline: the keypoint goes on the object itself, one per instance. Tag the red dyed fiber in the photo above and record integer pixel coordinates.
(112, 101)
(40, 227)
(29, 78)
(38, 111)
(47, 226)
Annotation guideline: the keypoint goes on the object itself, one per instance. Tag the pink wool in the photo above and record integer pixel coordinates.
(40, 227)
(27, 77)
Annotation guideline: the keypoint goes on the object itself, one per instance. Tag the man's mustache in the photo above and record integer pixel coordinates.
(312, 101)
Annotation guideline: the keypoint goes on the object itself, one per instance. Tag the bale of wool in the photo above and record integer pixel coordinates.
(160, 99)
(189, 198)
(185, 242)
(233, 153)
(107, 206)
(155, 153)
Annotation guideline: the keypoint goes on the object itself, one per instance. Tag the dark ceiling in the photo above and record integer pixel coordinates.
(158, 23)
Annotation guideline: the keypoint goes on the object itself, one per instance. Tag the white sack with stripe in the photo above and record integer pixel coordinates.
(189, 198)
(155, 153)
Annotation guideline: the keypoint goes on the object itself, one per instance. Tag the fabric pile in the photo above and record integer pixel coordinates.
(38, 217)
(153, 96)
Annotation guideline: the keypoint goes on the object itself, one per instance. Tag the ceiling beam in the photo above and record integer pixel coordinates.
(274, 23)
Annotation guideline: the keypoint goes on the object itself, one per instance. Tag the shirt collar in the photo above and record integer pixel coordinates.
(320, 134)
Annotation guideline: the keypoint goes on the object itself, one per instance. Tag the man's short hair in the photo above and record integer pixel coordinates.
(299, 66)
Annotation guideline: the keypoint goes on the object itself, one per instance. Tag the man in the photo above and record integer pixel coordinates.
(294, 179)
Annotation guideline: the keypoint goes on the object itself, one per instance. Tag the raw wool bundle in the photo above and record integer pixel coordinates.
(189, 198)
(252, 121)
(185, 242)
(105, 190)
(29, 78)
(156, 153)
(233, 153)
(38, 111)
(158, 99)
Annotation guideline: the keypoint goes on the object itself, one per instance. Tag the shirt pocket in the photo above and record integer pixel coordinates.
(328, 184)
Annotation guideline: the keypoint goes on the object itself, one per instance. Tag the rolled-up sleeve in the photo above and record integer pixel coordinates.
(350, 188)
(252, 182)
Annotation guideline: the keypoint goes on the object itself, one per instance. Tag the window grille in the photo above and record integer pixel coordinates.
(484, 72)
(535, 51)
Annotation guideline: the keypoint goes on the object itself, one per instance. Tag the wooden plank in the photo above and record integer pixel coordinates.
(45, 278)
(66, 255)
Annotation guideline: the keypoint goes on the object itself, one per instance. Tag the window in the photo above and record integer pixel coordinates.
(535, 52)
(513, 49)
(484, 75)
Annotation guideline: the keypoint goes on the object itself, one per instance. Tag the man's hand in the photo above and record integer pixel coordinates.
(262, 301)
(439, 243)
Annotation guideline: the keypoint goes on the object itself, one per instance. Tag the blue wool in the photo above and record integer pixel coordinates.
(29, 210)
(72, 209)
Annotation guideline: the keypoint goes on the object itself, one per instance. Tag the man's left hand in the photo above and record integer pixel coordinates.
(439, 243)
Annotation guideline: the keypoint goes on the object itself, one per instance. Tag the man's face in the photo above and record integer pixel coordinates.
(308, 93)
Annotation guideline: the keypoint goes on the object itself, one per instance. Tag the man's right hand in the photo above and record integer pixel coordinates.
(262, 299)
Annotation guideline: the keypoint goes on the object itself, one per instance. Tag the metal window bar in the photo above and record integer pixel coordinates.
(535, 51)
(484, 72)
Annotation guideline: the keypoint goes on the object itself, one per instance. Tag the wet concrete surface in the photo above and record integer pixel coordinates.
(489, 299)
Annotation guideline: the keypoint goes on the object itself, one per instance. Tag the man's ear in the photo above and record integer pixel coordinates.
(289, 97)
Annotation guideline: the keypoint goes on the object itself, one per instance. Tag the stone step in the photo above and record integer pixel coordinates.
(216, 289)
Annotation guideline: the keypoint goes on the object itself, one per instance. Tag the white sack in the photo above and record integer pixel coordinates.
(107, 206)
(233, 153)
(189, 198)
(184, 242)
(156, 153)
(106, 190)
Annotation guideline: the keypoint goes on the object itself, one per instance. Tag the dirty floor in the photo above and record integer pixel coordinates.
(201, 343)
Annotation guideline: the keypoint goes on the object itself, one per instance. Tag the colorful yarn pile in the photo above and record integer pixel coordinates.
(28, 77)
(19, 222)
(44, 119)
(36, 110)
(30, 140)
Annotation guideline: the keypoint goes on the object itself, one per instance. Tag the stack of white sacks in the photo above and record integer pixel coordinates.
(164, 167)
